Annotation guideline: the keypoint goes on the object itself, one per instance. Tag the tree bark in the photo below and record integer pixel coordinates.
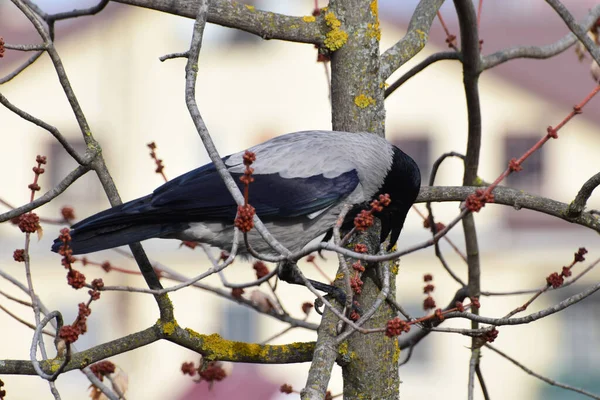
(358, 106)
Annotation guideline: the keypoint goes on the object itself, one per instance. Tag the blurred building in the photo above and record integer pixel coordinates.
(250, 90)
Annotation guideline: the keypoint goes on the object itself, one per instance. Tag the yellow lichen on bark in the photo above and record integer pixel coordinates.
(363, 101)
(335, 38)
(309, 18)
(249, 7)
(373, 30)
(168, 327)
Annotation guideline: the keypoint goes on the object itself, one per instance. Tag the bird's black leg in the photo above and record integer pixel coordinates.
(288, 273)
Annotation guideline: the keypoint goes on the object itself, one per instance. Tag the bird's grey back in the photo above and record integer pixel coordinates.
(309, 153)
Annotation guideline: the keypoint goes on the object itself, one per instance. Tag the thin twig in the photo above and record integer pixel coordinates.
(578, 205)
(21, 320)
(541, 377)
(446, 55)
(529, 291)
(581, 34)
(48, 196)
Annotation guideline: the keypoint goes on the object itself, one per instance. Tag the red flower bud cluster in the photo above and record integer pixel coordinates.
(261, 269)
(451, 40)
(285, 388)
(579, 256)
(19, 255)
(429, 302)
(306, 307)
(438, 225)
(159, 163)
(357, 266)
(459, 306)
(364, 219)
(244, 221)
(383, 201)
(75, 279)
(188, 368)
(213, 372)
(490, 336)
(29, 222)
(514, 166)
(478, 200)
(555, 280)
(395, 327)
(67, 213)
(97, 285)
(106, 266)
(237, 293)
(360, 248)
(552, 133)
(103, 368)
(356, 283)
(1, 55)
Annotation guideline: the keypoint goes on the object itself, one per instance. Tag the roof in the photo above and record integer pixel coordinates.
(562, 79)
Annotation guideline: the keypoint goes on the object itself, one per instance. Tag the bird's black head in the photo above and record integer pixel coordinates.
(402, 183)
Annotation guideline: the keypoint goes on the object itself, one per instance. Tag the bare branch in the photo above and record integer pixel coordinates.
(446, 55)
(26, 47)
(410, 341)
(510, 197)
(541, 52)
(191, 70)
(529, 291)
(22, 321)
(578, 205)
(267, 25)
(48, 196)
(21, 68)
(414, 40)
(484, 390)
(77, 12)
(471, 61)
(431, 220)
(381, 296)
(581, 33)
(53, 130)
(531, 317)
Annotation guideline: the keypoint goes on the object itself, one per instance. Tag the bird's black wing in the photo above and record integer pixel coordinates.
(201, 195)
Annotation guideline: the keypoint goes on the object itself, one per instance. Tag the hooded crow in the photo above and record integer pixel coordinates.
(301, 182)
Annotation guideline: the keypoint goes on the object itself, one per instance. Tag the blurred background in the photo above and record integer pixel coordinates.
(250, 90)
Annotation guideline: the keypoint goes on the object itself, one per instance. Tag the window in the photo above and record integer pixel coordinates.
(419, 148)
(529, 179)
(239, 323)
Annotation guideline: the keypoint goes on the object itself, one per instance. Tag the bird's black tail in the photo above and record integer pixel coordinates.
(125, 224)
